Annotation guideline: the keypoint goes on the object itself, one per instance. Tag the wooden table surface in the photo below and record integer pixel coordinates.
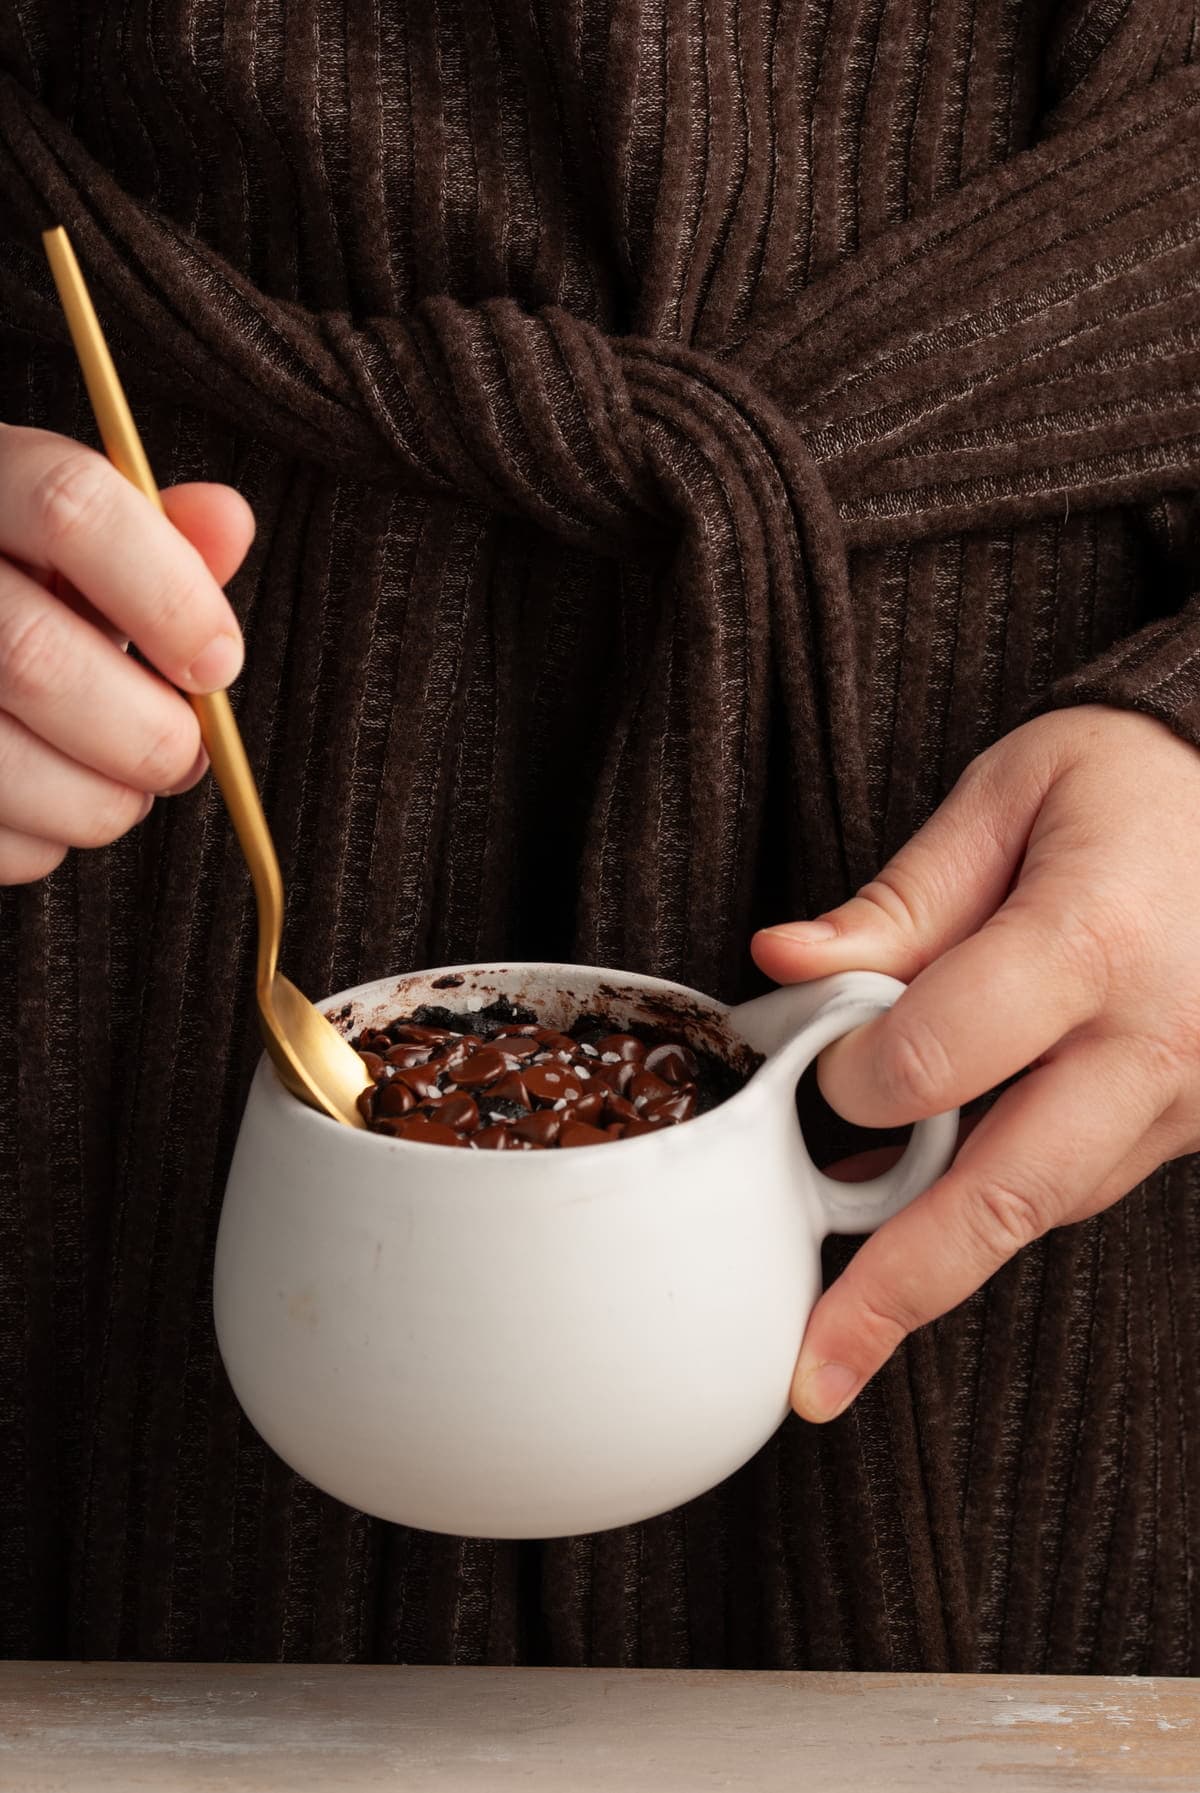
(96, 1728)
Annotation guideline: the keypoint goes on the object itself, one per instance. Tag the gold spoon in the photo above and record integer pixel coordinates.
(313, 1060)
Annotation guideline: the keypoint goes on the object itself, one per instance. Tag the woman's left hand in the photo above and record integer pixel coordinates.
(1046, 916)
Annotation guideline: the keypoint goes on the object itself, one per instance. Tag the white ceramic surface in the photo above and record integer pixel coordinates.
(533, 1345)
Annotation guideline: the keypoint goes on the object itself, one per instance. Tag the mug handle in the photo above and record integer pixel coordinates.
(792, 1026)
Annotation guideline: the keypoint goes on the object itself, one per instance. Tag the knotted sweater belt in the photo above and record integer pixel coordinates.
(1031, 339)
(1027, 347)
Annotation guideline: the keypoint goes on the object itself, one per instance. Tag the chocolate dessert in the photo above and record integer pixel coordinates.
(498, 1080)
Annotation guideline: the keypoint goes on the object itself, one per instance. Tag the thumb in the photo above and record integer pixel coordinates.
(218, 523)
(938, 889)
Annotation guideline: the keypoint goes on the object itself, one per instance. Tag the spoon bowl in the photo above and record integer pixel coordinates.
(312, 1059)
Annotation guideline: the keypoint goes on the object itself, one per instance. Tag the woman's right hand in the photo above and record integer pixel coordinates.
(88, 737)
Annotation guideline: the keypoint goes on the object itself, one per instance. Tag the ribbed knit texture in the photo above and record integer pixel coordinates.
(683, 433)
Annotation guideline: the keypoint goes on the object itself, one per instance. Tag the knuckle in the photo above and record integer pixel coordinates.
(913, 1067)
(111, 816)
(1004, 1217)
(172, 612)
(168, 751)
(31, 655)
(13, 736)
(70, 497)
(29, 861)
(49, 857)
(885, 1321)
(1092, 943)
(890, 893)
(1099, 942)
(1168, 1060)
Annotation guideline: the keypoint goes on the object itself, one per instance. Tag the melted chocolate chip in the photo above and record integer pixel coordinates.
(422, 1080)
(543, 1128)
(482, 1067)
(503, 1139)
(394, 1099)
(497, 1080)
(410, 1034)
(674, 1064)
(624, 1046)
(588, 1108)
(458, 1111)
(636, 1129)
(426, 1132)
(578, 1133)
(511, 1088)
(680, 1105)
(646, 1087)
(552, 1083)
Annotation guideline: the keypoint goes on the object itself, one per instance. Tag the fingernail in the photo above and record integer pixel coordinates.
(805, 933)
(824, 1392)
(218, 665)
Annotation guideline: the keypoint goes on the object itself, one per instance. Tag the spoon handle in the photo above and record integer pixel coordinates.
(231, 769)
(218, 726)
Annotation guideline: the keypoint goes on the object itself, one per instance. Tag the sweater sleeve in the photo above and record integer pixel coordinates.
(1095, 56)
(1155, 670)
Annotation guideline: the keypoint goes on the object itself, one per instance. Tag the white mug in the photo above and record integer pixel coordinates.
(534, 1345)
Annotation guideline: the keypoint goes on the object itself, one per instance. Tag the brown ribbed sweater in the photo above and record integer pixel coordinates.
(683, 433)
